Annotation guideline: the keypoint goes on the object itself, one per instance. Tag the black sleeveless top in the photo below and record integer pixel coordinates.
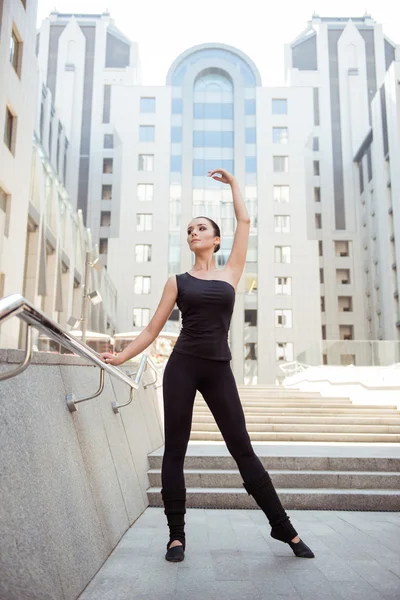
(206, 306)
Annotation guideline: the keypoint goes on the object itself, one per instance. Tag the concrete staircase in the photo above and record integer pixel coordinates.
(279, 414)
(314, 477)
(321, 453)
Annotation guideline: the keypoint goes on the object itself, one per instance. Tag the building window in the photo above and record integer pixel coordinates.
(209, 139)
(345, 304)
(250, 351)
(316, 167)
(284, 351)
(145, 192)
(251, 164)
(249, 107)
(342, 248)
(106, 192)
(147, 105)
(346, 332)
(280, 135)
(317, 194)
(283, 286)
(281, 164)
(5, 206)
(51, 137)
(347, 359)
(176, 106)
(320, 248)
(282, 254)
(141, 317)
(282, 224)
(318, 221)
(281, 193)
(146, 162)
(250, 317)
(361, 176)
(108, 165)
(10, 130)
(147, 133)
(212, 110)
(279, 106)
(176, 135)
(369, 163)
(142, 285)
(143, 253)
(343, 276)
(144, 222)
(323, 332)
(107, 103)
(250, 135)
(105, 218)
(322, 303)
(108, 140)
(316, 144)
(16, 51)
(283, 318)
(321, 276)
(103, 246)
(176, 163)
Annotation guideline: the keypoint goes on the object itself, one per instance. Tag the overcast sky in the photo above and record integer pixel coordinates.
(165, 28)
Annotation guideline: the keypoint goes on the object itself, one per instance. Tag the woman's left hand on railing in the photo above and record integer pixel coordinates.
(111, 359)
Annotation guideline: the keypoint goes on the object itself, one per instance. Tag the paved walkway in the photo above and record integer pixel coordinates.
(230, 556)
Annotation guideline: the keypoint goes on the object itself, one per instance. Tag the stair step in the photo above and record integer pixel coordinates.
(305, 404)
(283, 409)
(324, 462)
(222, 478)
(291, 498)
(303, 436)
(297, 419)
(305, 427)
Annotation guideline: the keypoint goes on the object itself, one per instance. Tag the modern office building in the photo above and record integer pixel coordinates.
(43, 240)
(378, 187)
(83, 58)
(213, 112)
(344, 61)
(17, 110)
(142, 154)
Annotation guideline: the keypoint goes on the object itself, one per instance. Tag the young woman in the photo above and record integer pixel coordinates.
(201, 361)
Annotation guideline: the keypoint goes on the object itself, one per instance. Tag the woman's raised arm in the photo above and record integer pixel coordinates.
(237, 258)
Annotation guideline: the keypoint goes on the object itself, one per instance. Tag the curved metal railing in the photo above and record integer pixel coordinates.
(17, 306)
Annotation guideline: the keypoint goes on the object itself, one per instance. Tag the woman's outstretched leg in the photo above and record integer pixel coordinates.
(222, 397)
(179, 390)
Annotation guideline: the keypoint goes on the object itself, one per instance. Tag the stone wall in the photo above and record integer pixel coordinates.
(71, 483)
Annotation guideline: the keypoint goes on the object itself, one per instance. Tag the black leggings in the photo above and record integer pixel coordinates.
(183, 375)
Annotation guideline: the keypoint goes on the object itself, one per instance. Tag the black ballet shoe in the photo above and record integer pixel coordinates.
(175, 554)
(301, 549)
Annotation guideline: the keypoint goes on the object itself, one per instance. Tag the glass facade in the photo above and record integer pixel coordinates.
(212, 121)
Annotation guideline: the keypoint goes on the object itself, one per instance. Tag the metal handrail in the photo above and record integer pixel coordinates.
(17, 306)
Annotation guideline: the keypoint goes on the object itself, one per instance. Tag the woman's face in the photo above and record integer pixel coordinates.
(200, 235)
